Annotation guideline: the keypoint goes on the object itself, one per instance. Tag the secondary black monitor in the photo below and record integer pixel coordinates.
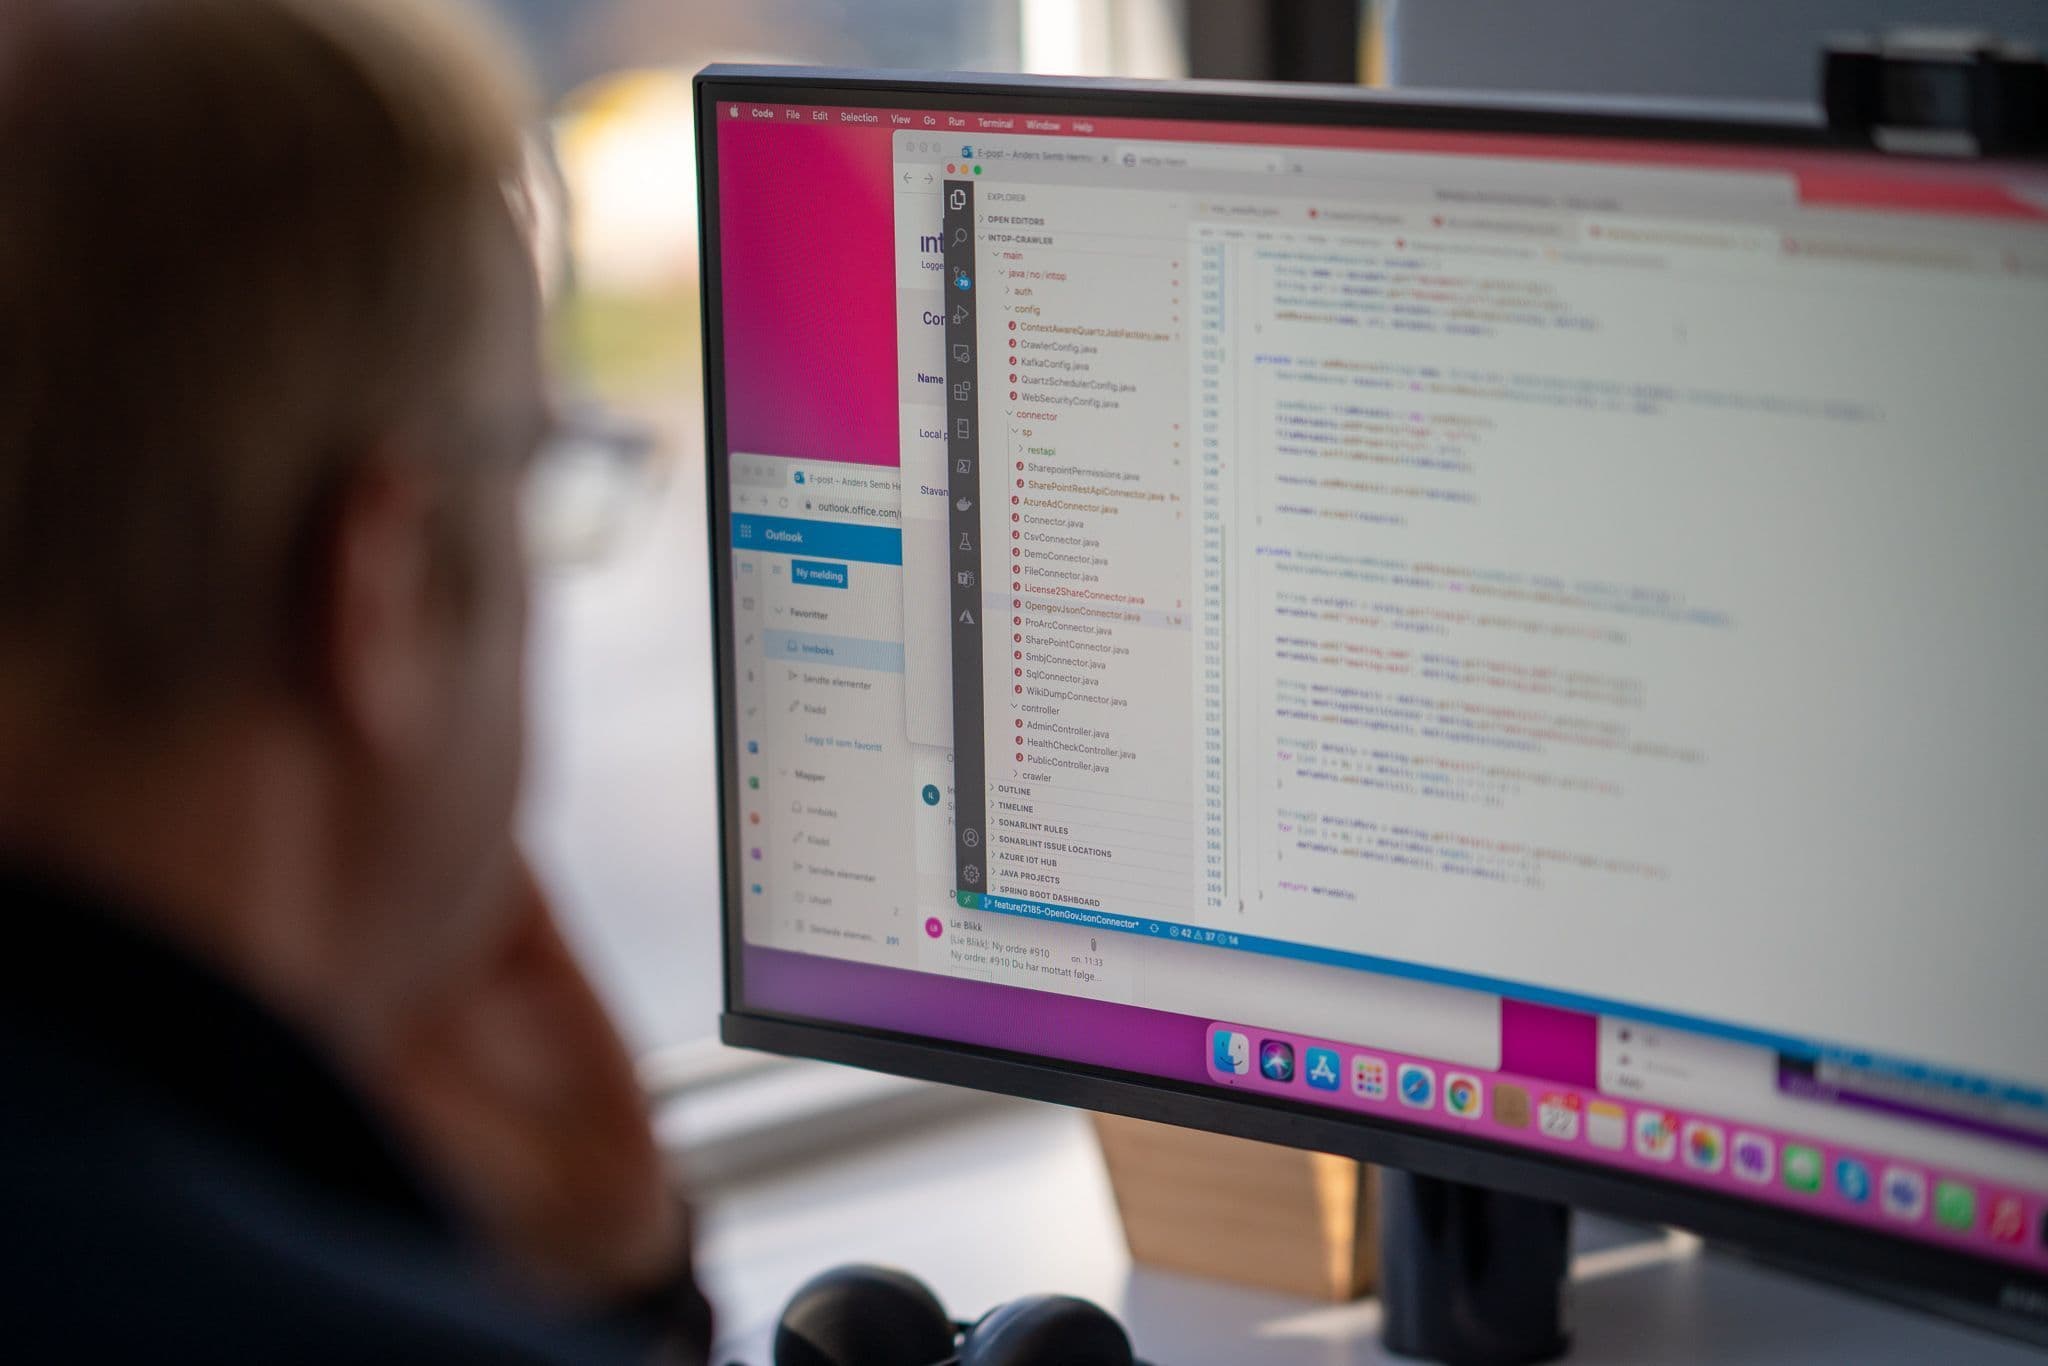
(1505, 640)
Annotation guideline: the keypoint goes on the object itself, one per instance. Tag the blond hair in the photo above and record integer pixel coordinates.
(239, 241)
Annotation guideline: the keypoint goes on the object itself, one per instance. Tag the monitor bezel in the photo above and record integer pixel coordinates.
(1953, 1283)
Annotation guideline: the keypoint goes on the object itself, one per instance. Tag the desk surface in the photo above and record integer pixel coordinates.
(1016, 1202)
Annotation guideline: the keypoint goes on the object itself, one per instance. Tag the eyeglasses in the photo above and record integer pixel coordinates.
(593, 468)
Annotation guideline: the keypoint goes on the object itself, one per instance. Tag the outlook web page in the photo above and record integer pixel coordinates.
(1426, 615)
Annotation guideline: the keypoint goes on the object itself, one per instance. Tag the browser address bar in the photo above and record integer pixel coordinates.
(1247, 160)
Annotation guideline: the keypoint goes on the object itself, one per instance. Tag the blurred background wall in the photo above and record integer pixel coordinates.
(1723, 49)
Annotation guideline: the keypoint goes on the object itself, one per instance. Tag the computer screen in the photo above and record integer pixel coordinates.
(1510, 640)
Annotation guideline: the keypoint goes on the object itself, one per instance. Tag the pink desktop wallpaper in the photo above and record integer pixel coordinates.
(805, 216)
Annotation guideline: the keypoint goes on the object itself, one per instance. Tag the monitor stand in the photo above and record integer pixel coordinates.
(1470, 1276)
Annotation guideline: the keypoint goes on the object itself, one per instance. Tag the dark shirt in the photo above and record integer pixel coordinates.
(185, 1178)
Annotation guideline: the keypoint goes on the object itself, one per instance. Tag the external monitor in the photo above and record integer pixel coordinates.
(1504, 639)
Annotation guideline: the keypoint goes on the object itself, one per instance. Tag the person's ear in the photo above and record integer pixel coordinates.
(376, 619)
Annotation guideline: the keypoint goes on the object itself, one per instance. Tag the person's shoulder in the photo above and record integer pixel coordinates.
(127, 1231)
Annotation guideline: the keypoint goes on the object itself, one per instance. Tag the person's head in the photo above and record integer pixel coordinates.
(269, 378)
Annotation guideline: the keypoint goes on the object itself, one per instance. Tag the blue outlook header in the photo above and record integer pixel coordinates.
(839, 540)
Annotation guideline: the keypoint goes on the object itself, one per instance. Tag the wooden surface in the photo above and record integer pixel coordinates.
(1249, 1213)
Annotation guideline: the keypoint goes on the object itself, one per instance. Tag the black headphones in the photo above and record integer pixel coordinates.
(873, 1316)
